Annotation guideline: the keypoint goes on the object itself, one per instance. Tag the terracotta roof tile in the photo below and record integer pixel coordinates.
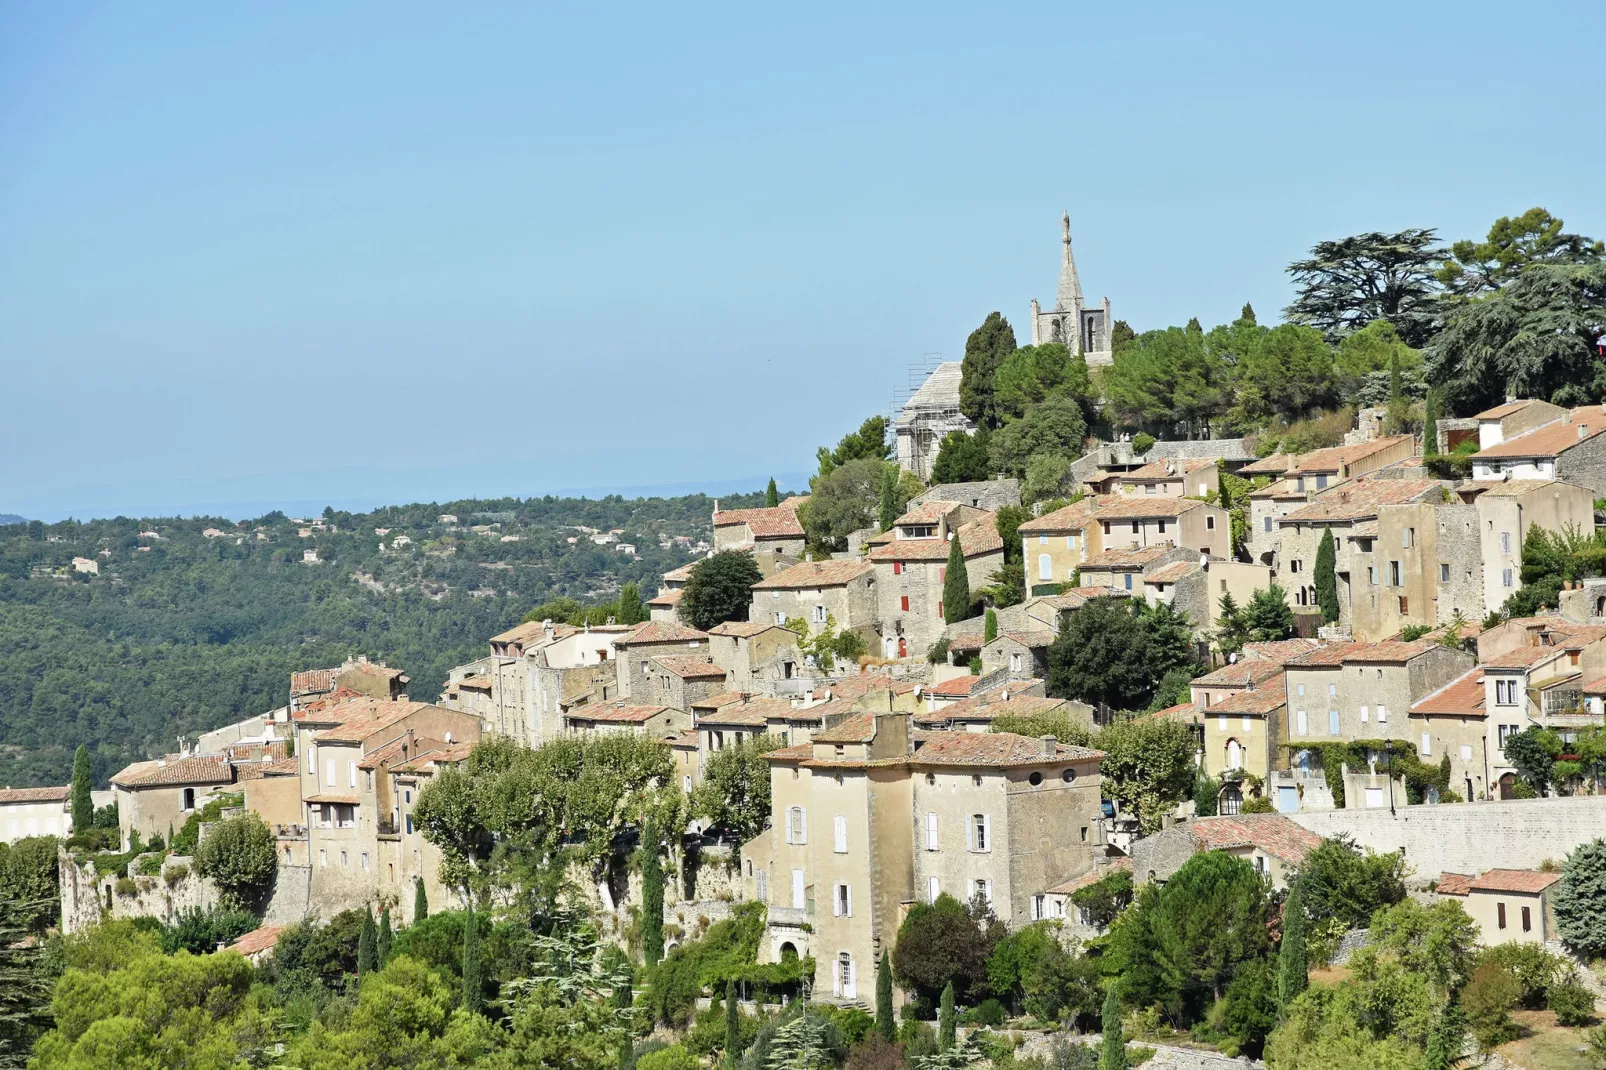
(1270, 465)
(1520, 881)
(779, 522)
(1462, 696)
(963, 686)
(1272, 833)
(668, 598)
(476, 682)
(1359, 499)
(992, 704)
(257, 940)
(1327, 656)
(688, 740)
(755, 712)
(34, 795)
(1140, 507)
(815, 574)
(992, 749)
(1390, 651)
(1333, 458)
(856, 728)
(680, 575)
(743, 629)
(1155, 471)
(196, 769)
(797, 752)
(1500, 412)
(615, 713)
(1073, 517)
(1123, 559)
(690, 666)
(1173, 572)
(1262, 700)
(1239, 674)
(1454, 883)
(1551, 439)
(312, 681)
(659, 631)
(369, 716)
(526, 633)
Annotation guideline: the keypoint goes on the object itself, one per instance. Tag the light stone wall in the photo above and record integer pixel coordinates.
(635, 667)
(1440, 570)
(852, 604)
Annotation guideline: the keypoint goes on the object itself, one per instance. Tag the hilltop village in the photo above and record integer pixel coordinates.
(1019, 723)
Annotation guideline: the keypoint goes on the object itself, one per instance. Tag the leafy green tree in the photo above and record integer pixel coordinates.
(1434, 942)
(83, 803)
(630, 611)
(889, 498)
(1170, 639)
(1580, 900)
(1206, 796)
(1366, 360)
(989, 626)
(945, 1018)
(1475, 269)
(956, 585)
(719, 589)
(1033, 374)
(239, 857)
(473, 966)
(1233, 630)
(985, 352)
(1346, 284)
(1148, 767)
(1289, 375)
(886, 1021)
(772, 497)
(1337, 880)
(1113, 1052)
(652, 898)
(1046, 475)
(1292, 967)
(963, 458)
(1249, 1007)
(1326, 577)
(367, 946)
(845, 500)
(24, 984)
(386, 936)
(1269, 616)
(807, 1042)
(735, 791)
(420, 901)
(1533, 338)
(29, 877)
(1487, 1000)
(945, 942)
(869, 442)
(1169, 378)
(1105, 898)
(1532, 752)
(1113, 655)
(1430, 423)
(1054, 427)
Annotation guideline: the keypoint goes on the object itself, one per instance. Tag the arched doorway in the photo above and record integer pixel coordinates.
(1230, 802)
(788, 952)
(903, 647)
(1506, 783)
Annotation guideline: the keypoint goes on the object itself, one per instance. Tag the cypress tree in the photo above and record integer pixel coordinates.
(945, 1018)
(889, 497)
(1292, 966)
(1326, 581)
(83, 803)
(1113, 1057)
(989, 627)
(367, 946)
(630, 609)
(420, 901)
(652, 898)
(956, 587)
(772, 497)
(885, 1023)
(733, 1025)
(1430, 423)
(385, 936)
(473, 968)
(1247, 313)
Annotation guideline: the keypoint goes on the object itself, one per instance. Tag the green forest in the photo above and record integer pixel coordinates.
(201, 623)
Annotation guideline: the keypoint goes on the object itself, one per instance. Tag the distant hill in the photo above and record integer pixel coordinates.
(11, 518)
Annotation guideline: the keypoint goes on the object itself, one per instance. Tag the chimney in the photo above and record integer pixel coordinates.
(1583, 429)
(1051, 745)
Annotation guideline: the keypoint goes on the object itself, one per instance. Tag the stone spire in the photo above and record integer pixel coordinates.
(1070, 292)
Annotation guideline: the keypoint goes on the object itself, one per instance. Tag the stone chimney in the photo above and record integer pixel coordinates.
(1051, 745)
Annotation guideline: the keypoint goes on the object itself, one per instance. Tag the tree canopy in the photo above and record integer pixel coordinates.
(719, 589)
(1347, 283)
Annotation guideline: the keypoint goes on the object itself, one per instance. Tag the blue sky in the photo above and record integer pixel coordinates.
(263, 253)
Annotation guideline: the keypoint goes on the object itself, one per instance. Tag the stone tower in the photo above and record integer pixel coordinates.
(1084, 330)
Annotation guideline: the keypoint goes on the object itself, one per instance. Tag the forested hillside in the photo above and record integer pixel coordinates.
(194, 623)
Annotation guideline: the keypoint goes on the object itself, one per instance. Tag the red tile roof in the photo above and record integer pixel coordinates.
(1142, 506)
(1453, 883)
(329, 798)
(1171, 573)
(615, 713)
(1463, 696)
(679, 575)
(754, 712)
(797, 752)
(1280, 650)
(668, 598)
(173, 770)
(659, 631)
(992, 704)
(1259, 700)
(257, 940)
(1124, 559)
(1501, 411)
(476, 682)
(690, 666)
(959, 685)
(34, 795)
(1272, 833)
(815, 574)
(779, 522)
(1391, 651)
(1239, 674)
(856, 728)
(1334, 458)
(1551, 439)
(312, 681)
(1120, 864)
(992, 749)
(1359, 499)
(1156, 471)
(368, 716)
(1518, 881)
(1073, 517)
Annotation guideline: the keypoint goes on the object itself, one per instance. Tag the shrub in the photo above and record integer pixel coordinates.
(674, 1057)
(239, 858)
(175, 873)
(200, 931)
(125, 886)
(1142, 443)
(148, 865)
(1259, 804)
(988, 1012)
(1534, 968)
(1487, 1000)
(1572, 1003)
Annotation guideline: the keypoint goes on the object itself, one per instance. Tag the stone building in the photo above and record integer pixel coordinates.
(1125, 570)
(1344, 692)
(1057, 545)
(911, 569)
(374, 679)
(1086, 331)
(666, 604)
(1508, 905)
(35, 812)
(774, 536)
(651, 721)
(1189, 477)
(636, 649)
(536, 672)
(991, 495)
(1506, 510)
(818, 592)
(930, 416)
(156, 796)
(1242, 733)
(754, 654)
(1272, 843)
(1454, 720)
(1569, 447)
(1535, 670)
(1195, 587)
(869, 815)
(681, 679)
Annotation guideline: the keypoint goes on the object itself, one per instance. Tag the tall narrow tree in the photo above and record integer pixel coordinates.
(630, 610)
(652, 897)
(889, 497)
(385, 936)
(420, 901)
(733, 1026)
(989, 626)
(83, 803)
(1326, 577)
(1113, 1055)
(885, 1023)
(945, 1018)
(473, 966)
(1430, 423)
(772, 497)
(367, 945)
(1292, 966)
(956, 585)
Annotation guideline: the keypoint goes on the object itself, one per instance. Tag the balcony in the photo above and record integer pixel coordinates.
(788, 917)
(388, 828)
(290, 832)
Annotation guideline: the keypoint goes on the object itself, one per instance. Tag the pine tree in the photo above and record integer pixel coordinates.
(1113, 1057)
(1292, 966)
(420, 901)
(1247, 313)
(630, 609)
(367, 946)
(83, 803)
(652, 898)
(945, 1018)
(733, 1025)
(385, 936)
(989, 627)
(473, 968)
(772, 497)
(1326, 580)
(885, 1023)
(1430, 423)
(889, 497)
(956, 587)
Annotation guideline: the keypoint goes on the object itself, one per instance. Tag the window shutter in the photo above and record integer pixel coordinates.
(841, 831)
(933, 889)
(987, 831)
(848, 888)
(931, 831)
(351, 773)
(802, 825)
(853, 980)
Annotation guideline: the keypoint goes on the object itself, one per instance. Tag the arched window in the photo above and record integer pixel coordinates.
(1045, 567)
(189, 799)
(1235, 754)
(1230, 802)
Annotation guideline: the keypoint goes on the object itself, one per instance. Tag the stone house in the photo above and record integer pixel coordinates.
(1138, 522)
(1242, 733)
(684, 755)
(911, 569)
(1508, 905)
(1187, 477)
(1535, 670)
(1454, 720)
(635, 650)
(681, 679)
(1022, 653)
(869, 815)
(1272, 843)
(754, 653)
(1506, 510)
(1125, 570)
(1569, 448)
(654, 722)
(665, 605)
(1195, 587)
(1516, 417)
(1055, 545)
(156, 796)
(1420, 568)
(374, 679)
(35, 812)
(978, 713)
(1267, 506)
(928, 417)
(774, 536)
(819, 591)
(990, 495)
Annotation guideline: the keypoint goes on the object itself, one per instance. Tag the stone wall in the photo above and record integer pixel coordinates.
(87, 899)
(1470, 837)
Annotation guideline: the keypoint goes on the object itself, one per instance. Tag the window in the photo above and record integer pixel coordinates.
(980, 827)
(1300, 689)
(931, 831)
(1248, 724)
(1128, 579)
(323, 857)
(1332, 722)
(1444, 572)
(1394, 574)
(189, 798)
(839, 838)
(1382, 714)
(903, 603)
(942, 574)
(1466, 755)
(1321, 482)
(685, 784)
(1106, 527)
(1221, 723)
(1037, 907)
(842, 902)
(780, 618)
(897, 568)
(1505, 577)
(1427, 745)
(1015, 663)
(933, 889)
(1295, 565)
(1045, 567)
(1364, 710)
(1137, 526)
(1162, 527)
(351, 774)
(1408, 538)
(1304, 724)
(1371, 575)
(365, 861)
(797, 825)
(1505, 548)
(1070, 542)
(1500, 913)
(984, 890)
(409, 824)
(1210, 523)
(1068, 775)
(1042, 540)
(1268, 523)
(1527, 920)
(819, 614)
(344, 862)
(1505, 694)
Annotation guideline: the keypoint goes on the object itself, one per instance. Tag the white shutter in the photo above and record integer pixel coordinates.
(351, 773)
(931, 831)
(802, 825)
(848, 888)
(933, 889)
(789, 812)
(970, 833)
(1382, 714)
(840, 837)
(836, 979)
(797, 890)
(852, 990)
(329, 773)
(987, 832)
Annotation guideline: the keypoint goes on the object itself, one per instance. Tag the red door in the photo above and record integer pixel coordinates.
(903, 647)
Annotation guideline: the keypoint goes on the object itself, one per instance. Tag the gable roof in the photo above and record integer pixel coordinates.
(990, 705)
(1500, 412)
(1359, 499)
(1176, 570)
(1272, 833)
(312, 681)
(1119, 864)
(1453, 883)
(1252, 700)
(1073, 517)
(615, 713)
(689, 666)
(980, 536)
(857, 728)
(992, 749)
(35, 795)
(1280, 651)
(1519, 881)
(1552, 439)
(744, 629)
(1157, 470)
(1239, 674)
(1125, 559)
(659, 631)
(777, 522)
(173, 770)
(811, 574)
(1334, 458)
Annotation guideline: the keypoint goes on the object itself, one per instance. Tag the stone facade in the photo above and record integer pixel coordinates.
(754, 653)
(1422, 567)
(1085, 331)
(1505, 513)
(990, 495)
(635, 653)
(930, 416)
(817, 591)
(1352, 691)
